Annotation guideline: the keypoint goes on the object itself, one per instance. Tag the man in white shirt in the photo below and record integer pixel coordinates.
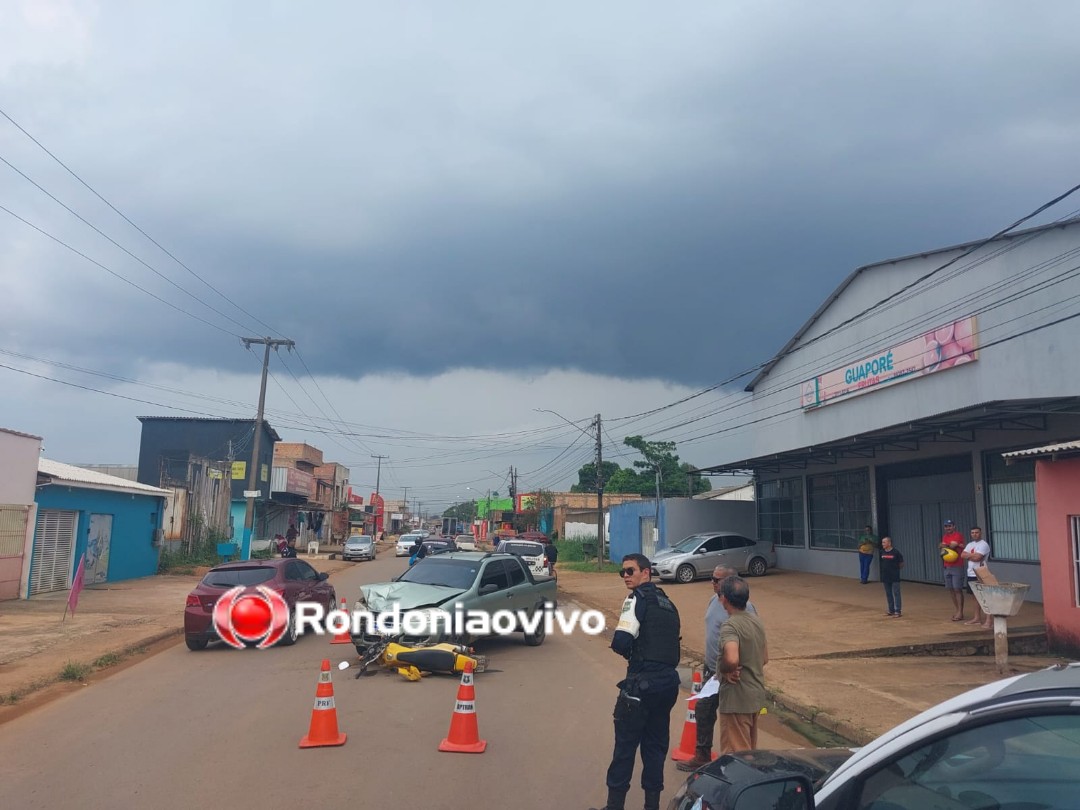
(976, 553)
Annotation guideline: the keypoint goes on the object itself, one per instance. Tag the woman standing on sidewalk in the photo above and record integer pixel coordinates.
(891, 563)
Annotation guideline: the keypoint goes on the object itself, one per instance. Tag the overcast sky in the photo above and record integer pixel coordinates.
(465, 211)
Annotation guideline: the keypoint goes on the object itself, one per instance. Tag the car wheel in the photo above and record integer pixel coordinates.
(536, 638)
(196, 644)
(291, 633)
(685, 573)
(758, 567)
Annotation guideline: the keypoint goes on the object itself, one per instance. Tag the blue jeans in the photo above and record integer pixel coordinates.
(864, 566)
(892, 595)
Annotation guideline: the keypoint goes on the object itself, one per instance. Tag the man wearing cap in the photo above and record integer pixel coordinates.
(648, 636)
(952, 540)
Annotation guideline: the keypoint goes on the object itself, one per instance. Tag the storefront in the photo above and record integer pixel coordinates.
(893, 404)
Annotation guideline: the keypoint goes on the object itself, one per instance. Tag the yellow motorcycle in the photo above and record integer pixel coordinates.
(412, 662)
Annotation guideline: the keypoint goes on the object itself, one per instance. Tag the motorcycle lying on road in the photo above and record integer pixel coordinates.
(411, 662)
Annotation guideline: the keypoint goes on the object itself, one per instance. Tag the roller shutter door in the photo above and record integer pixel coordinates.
(54, 551)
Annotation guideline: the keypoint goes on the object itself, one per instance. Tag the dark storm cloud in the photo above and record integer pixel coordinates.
(674, 207)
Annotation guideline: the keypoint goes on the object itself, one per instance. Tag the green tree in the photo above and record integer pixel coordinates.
(462, 511)
(587, 476)
(660, 458)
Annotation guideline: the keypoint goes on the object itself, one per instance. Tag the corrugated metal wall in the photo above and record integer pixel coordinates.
(917, 508)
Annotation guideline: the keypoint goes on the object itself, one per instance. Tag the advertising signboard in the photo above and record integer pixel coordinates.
(946, 347)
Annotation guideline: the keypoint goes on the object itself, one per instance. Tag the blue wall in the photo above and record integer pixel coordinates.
(132, 552)
(624, 526)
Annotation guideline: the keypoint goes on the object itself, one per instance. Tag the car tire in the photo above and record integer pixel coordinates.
(757, 567)
(537, 638)
(196, 644)
(685, 573)
(291, 634)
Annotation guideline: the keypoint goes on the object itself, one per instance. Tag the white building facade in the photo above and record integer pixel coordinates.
(892, 406)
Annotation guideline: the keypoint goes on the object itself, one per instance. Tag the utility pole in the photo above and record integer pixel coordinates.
(253, 473)
(378, 503)
(599, 497)
(405, 501)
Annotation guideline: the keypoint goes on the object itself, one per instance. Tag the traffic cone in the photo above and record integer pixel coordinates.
(324, 728)
(464, 736)
(688, 743)
(343, 637)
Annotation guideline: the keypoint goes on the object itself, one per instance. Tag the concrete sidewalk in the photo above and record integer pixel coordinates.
(835, 658)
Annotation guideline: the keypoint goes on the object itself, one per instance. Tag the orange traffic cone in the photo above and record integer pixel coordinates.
(464, 736)
(343, 637)
(688, 743)
(324, 728)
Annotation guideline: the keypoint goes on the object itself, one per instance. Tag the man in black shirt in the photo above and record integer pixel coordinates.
(891, 563)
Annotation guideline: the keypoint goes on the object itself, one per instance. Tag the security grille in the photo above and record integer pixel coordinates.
(1075, 521)
(54, 550)
(12, 529)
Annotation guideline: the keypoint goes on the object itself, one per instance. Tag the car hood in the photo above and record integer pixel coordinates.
(816, 764)
(667, 552)
(406, 595)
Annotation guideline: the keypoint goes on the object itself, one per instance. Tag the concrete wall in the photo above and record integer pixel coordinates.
(19, 454)
(135, 517)
(1041, 364)
(684, 517)
(1058, 494)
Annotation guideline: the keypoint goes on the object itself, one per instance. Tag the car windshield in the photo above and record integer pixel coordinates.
(231, 577)
(690, 543)
(522, 549)
(441, 571)
(359, 541)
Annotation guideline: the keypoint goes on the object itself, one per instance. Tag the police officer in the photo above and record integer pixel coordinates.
(648, 637)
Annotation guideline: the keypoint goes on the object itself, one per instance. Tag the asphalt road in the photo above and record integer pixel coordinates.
(221, 727)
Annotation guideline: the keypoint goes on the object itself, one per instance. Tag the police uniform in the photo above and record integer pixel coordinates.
(648, 637)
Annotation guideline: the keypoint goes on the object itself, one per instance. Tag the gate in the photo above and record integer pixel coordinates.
(917, 508)
(54, 551)
(97, 548)
(647, 535)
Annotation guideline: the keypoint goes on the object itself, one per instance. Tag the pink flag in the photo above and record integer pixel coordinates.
(77, 585)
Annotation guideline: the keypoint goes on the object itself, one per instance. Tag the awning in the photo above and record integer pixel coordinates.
(956, 426)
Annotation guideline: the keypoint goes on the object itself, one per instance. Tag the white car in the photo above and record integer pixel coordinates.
(465, 542)
(405, 544)
(531, 553)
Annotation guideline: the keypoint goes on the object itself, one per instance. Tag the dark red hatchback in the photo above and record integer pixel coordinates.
(294, 579)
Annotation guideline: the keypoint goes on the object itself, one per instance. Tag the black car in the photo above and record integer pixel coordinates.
(438, 546)
(758, 778)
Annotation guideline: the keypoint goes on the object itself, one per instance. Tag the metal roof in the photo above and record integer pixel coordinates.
(1045, 450)
(90, 479)
(266, 424)
(19, 433)
(768, 367)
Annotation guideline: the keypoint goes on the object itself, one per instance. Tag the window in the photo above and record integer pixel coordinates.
(1031, 761)
(839, 508)
(517, 573)
(713, 544)
(1010, 493)
(780, 511)
(494, 574)
(12, 529)
(1074, 521)
(733, 541)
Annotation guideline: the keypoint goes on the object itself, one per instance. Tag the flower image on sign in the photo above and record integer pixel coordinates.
(937, 350)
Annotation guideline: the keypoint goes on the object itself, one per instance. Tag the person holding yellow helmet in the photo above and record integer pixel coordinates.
(952, 540)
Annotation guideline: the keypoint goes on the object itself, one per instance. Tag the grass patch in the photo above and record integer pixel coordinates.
(589, 567)
(108, 660)
(75, 672)
(265, 554)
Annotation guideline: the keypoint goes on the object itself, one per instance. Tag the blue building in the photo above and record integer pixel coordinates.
(631, 524)
(113, 521)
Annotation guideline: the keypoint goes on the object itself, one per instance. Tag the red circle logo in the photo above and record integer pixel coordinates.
(241, 618)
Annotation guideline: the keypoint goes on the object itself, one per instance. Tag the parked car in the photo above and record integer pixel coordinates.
(532, 534)
(531, 552)
(1014, 743)
(359, 547)
(465, 542)
(405, 544)
(696, 556)
(476, 581)
(294, 579)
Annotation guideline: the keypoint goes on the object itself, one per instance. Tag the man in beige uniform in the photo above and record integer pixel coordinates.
(743, 656)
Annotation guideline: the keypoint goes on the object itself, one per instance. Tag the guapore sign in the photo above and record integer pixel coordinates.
(937, 350)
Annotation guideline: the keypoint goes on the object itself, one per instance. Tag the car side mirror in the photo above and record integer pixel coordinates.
(700, 550)
(790, 792)
(323, 576)
(489, 588)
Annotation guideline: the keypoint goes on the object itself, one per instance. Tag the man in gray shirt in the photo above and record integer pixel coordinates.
(706, 708)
